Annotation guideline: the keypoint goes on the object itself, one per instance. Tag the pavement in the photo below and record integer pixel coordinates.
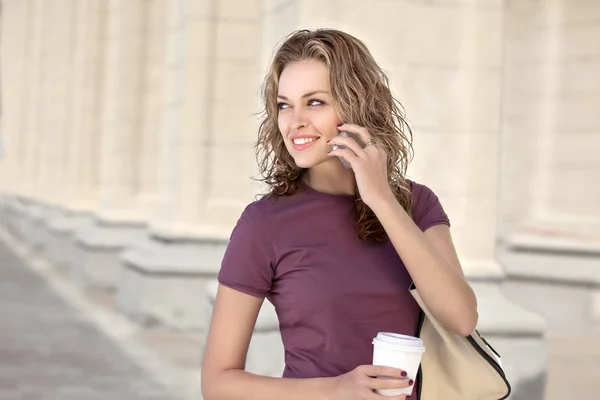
(58, 343)
(62, 342)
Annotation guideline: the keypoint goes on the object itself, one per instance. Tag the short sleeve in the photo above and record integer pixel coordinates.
(247, 265)
(427, 209)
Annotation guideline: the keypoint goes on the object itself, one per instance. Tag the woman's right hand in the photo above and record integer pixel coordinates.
(360, 383)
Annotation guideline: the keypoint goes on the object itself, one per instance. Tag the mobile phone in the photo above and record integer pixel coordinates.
(353, 136)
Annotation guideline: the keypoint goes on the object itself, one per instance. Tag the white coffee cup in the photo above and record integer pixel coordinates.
(398, 351)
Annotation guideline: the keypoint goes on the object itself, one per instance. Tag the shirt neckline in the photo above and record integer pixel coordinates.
(308, 189)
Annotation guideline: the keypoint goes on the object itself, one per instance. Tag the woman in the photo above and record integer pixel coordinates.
(333, 248)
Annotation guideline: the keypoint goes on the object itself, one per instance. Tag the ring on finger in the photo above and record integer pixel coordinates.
(370, 142)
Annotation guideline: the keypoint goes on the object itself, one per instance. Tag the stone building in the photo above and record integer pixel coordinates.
(128, 127)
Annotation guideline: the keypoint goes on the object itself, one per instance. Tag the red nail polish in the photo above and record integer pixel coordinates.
(410, 382)
(403, 373)
(340, 124)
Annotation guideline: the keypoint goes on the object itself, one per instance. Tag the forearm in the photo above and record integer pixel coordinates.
(445, 291)
(238, 384)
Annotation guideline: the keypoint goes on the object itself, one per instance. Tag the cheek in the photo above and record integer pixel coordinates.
(281, 123)
(327, 124)
(283, 128)
(327, 117)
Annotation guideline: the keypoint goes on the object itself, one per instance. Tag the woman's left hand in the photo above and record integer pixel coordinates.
(369, 164)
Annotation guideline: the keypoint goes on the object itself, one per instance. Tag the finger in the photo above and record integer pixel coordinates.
(348, 142)
(390, 383)
(347, 154)
(384, 371)
(377, 396)
(361, 131)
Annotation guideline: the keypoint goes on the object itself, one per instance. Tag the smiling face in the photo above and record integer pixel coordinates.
(307, 118)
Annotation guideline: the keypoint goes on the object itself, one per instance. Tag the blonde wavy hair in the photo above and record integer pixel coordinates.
(361, 96)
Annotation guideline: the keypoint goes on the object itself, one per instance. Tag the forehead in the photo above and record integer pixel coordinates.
(303, 76)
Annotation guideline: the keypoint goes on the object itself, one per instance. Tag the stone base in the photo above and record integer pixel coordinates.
(32, 226)
(19, 219)
(6, 202)
(95, 260)
(13, 211)
(555, 278)
(518, 335)
(62, 230)
(596, 309)
(164, 281)
(44, 237)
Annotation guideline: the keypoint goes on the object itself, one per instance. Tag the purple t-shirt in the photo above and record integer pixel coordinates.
(331, 290)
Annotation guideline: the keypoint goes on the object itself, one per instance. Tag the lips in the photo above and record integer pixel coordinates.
(303, 142)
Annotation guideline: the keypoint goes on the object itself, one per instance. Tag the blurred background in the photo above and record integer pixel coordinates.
(126, 134)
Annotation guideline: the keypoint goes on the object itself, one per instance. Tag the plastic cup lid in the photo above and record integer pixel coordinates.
(397, 339)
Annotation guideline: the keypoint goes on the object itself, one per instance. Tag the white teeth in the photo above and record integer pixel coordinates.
(304, 140)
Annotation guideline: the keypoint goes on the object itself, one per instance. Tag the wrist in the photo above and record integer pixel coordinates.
(382, 201)
(327, 388)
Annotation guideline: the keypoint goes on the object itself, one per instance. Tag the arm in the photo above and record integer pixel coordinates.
(429, 257)
(223, 375)
(433, 264)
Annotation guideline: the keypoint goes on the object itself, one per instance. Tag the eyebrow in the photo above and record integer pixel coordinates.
(306, 95)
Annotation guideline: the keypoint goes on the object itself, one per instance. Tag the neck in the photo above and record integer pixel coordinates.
(331, 179)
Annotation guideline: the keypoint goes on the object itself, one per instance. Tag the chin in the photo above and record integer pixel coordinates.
(306, 162)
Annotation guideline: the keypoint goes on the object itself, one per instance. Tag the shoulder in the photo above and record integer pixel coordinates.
(258, 207)
(259, 213)
(427, 209)
(252, 233)
(271, 205)
(247, 263)
(419, 191)
(263, 206)
(254, 215)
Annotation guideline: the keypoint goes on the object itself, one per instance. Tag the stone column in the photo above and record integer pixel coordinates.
(13, 56)
(88, 106)
(81, 148)
(153, 99)
(204, 166)
(551, 240)
(32, 72)
(15, 29)
(237, 77)
(61, 19)
(33, 144)
(56, 129)
(55, 71)
(118, 221)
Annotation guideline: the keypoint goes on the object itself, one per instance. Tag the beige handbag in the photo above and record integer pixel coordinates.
(455, 367)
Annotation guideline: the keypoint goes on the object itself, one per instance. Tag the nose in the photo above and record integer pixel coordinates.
(298, 120)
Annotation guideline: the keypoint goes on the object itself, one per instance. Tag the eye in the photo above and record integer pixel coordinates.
(282, 106)
(315, 102)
